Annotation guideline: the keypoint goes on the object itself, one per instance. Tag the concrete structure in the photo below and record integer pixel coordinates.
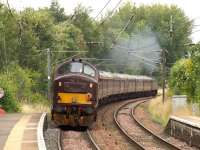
(178, 102)
(185, 128)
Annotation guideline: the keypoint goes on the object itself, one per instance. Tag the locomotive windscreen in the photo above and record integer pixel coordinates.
(76, 67)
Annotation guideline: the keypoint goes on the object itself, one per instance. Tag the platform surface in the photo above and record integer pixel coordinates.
(19, 131)
(7, 122)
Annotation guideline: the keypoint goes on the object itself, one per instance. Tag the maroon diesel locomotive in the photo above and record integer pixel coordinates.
(79, 88)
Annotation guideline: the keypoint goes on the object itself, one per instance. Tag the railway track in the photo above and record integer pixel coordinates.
(158, 133)
(105, 132)
(95, 145)
(135, 132)
(103, 135)
(81, 139)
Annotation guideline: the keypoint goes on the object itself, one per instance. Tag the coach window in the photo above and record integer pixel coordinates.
(89, 70)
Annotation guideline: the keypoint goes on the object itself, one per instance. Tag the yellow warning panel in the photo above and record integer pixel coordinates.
(77, 98)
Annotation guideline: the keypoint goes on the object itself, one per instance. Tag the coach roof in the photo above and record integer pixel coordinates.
(110, 75)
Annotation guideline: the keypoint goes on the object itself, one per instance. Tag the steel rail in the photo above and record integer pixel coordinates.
(59, 140)
(157, 137)
(131, 140)
(92, 140)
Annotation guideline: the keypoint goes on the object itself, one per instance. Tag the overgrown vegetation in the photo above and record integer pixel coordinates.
(8, 102)
(160, 112)
(20, 86)
(25, 35)
(184, 75)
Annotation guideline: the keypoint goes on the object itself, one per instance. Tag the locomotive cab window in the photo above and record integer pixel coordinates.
(74, 67)
(89, 70)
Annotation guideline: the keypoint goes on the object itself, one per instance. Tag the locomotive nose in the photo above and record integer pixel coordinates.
(75, 90)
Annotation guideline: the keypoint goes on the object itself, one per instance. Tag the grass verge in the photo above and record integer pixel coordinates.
(160, 112)
(35, 107)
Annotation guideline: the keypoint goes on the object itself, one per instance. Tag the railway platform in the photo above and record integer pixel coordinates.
(21, 131)
(185, 128)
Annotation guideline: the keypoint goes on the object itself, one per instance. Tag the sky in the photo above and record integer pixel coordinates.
(190, 7)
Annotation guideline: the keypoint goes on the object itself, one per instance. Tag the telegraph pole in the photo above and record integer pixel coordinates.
(164, 59)
(171, 30)
(49, 73)
(4, 52)
(163, 74)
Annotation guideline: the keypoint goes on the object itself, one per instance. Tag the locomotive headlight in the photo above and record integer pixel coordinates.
(89, 96)
(91, 85)
(59, 83)
(58, 98)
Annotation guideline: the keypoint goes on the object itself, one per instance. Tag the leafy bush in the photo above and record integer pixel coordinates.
(184, 76)
(36, 98)
(181, 81)
(21, 86)
(21, 79)
(8, 102)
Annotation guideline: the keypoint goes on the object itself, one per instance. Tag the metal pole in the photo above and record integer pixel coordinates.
(171, 30)
(4, 50)
(163, 75)
(49, 73)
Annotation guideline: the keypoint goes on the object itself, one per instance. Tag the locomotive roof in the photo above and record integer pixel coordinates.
(104, 74)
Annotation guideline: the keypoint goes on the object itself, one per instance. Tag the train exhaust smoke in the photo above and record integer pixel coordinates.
(138, 54)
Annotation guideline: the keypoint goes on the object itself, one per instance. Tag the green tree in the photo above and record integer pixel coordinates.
(57, 12)
(181, 77)
(184, 75)
(8, 36)
(91, 31)
(157, 18)
(67, 37)
(36, 36)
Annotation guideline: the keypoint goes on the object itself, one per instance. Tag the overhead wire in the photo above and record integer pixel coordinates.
(147, 63)
(195, 31)
(146, 59)
(125, 27)
(137, 50)
(196, 25)
(8, 5)
(122, 30)
(62, 60)
(148, 46)
(102, 9)
(112, 11)
(93, 58)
